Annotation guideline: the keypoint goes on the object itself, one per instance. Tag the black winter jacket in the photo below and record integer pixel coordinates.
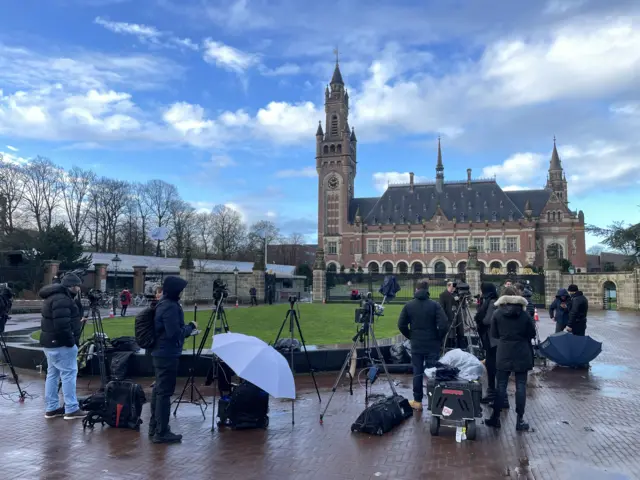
(579, 309)
(61, 317)
(424, 323)
(514, 329)
(447, 303)
(169, 320)
(556, 312)
(527, 294)
(484, 314)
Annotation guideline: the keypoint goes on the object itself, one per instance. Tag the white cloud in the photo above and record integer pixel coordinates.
(222, 161)
(306, 172)
(383, 179)
(227, 57)
(13, 149)
(237, 208)
(10, 158)
(517, 169)
(271, 214)
(629, 109)
(282, 70)
(287, 123)
(138, 30)
(554, 7)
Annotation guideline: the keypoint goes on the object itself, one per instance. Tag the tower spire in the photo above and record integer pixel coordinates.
(337, 76)
(439, 169)
(555, 163)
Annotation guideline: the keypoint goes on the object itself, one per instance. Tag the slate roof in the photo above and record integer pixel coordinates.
(337, 76)
(172, 265)
(480, 201)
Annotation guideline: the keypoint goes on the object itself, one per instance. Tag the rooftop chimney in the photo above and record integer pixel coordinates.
(468, 177)
(411, 181)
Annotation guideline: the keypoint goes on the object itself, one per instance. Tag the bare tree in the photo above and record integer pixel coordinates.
(228, 231)
(108, 202)
(140, 193)
(11, 189)
(42, 191)
(203, 229)
(159, 196)
(182, 226)
(75, 192)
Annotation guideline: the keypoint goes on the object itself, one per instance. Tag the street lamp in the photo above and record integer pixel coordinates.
(235, 274)
(116, 262)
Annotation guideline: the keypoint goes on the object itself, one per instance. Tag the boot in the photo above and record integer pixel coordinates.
(167, 437)
(488, 399)
(521, 425)
(493, 421)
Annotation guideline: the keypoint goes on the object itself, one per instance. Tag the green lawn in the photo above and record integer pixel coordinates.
(321, 323)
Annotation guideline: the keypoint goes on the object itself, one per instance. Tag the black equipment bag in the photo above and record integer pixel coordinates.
(125, 344)
(248, 407)
(145, 327)
(119, 365)
(454, 399)
(122, 406)
(285, 345)
(93, 402)
(382, 416)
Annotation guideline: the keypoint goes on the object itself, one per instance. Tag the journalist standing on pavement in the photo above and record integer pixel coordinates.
(513, 328)
(560, 308)
(578, 313)
(61, 325)
(483, 318)
(170, 332)
(424, 323)
(448, 304)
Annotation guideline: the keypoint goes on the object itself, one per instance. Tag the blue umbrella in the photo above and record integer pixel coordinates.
(389, 287)
(570, 350)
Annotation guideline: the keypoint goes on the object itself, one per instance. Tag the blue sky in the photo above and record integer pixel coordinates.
(222, 98)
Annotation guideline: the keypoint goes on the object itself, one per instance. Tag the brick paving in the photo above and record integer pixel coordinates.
(584, 428)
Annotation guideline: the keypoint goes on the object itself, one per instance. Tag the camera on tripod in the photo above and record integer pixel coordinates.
(94, 296)
(369, 311)
(293, 299)
(461, 290)
(220, 290)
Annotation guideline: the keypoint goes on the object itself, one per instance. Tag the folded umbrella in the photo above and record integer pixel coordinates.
(570, 350)
(255, 361)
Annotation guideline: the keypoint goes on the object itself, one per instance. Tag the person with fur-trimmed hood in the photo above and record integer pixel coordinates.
(514, 329)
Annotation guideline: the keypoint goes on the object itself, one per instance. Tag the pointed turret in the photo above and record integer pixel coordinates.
(337, 76)
(439, 170)
(353, 135)
(556, 181)
(555, 158)
(319, 132)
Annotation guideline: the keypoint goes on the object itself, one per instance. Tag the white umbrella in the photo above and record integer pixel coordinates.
(255, 361)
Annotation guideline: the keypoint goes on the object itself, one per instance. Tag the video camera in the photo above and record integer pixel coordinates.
(368, 311)
(461, 290)
(292, 299)
(220, 290)
(94, 296)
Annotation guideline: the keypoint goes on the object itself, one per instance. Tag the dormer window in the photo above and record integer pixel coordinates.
(477, 216)
(501, 204)
(511, 215)
(494, 216)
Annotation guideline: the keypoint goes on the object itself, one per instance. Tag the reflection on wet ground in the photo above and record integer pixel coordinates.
(583, 421)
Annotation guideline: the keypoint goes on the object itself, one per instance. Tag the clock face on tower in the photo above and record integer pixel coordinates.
(333, 182)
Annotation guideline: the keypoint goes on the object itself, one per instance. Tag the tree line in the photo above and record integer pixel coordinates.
(103, 214)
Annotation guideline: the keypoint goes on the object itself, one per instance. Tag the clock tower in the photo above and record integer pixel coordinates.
(336, 166)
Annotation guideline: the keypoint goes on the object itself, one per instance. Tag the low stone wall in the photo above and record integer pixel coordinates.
(200, 285)
(592, 285)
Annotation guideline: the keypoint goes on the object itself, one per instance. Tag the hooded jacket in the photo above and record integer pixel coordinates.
(579, 309)
(484, 314)
(424, 323)
(61, 314)
(559, 313)
(527, 294)
(514, 329)
(169, 320)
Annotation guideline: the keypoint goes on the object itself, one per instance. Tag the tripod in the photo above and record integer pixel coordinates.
(463, 320)
(367, 337)
(218, 317)
(7, 357)
(293, 317)
(191, 384)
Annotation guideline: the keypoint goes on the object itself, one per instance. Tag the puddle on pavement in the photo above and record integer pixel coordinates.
(608, 372)
(613, 392)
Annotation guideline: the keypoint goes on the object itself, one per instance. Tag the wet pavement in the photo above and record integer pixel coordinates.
(583, 421)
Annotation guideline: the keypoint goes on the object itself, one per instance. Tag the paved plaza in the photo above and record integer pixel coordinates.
(584, 427)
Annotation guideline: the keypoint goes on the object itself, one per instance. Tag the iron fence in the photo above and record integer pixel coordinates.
(343, 287)
(536, 282)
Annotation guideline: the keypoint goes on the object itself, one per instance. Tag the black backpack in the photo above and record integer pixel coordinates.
(123, 297)
(382, 416)
(145, 327)
(247, 407)
(122, 406)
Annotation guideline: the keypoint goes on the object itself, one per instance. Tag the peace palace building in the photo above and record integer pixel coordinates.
(429, 227)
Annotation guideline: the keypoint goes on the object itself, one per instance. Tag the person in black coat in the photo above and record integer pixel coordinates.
(525, 292)
(578, 313)
(483, 317)
(425, 324)
(60, 327)
(170, 331)
(514, 329)
(560, 308)
(448, 304)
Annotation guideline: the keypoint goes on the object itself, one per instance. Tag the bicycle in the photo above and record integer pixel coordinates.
(140, 301)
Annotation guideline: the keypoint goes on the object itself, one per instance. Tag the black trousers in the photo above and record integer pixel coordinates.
(490, 364)
(579, 329)
(123, 310)
(254, 300)
(166, 369)
(559, 327)
(502, 379)
(421, 361)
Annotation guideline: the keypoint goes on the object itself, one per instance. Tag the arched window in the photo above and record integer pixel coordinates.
(548, 216)
(402, 267)
(339, 148)
(333, 148)
(334, 125)
(512, 267)
(497, 265)
(332, 268)
(326, 149)
(373, 267)
(559, 216)
(462, 267)
(553, 216)
(387, 267)
(440, 269)
(417, 267)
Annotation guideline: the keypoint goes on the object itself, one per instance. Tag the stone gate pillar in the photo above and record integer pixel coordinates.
(51, 268)
(258, 273)
(100, 276)
(552, 275)
(188, 272)
(472, 272)
(319, 277)
(138, 278)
